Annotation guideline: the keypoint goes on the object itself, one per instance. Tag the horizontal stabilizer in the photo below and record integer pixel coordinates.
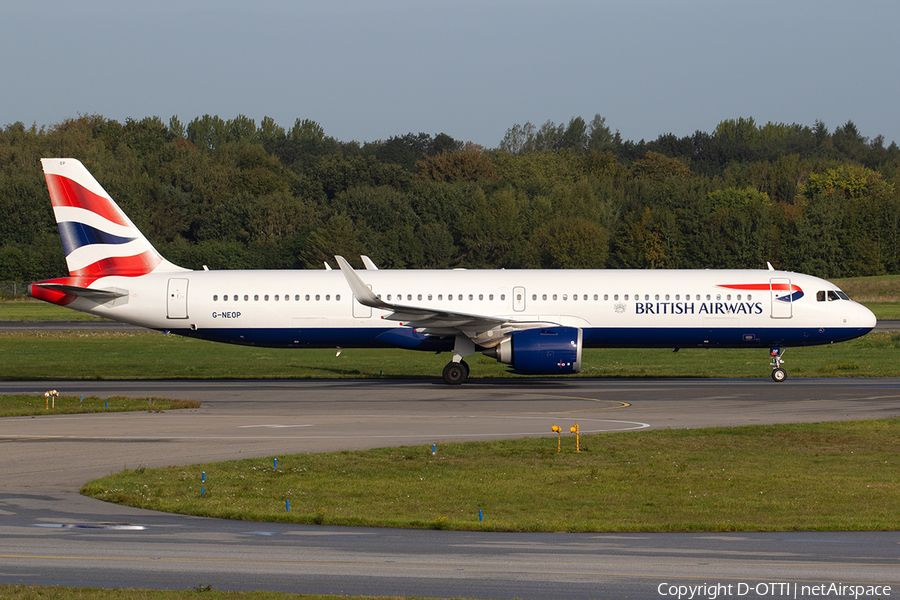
(98, 295)
(63, 292)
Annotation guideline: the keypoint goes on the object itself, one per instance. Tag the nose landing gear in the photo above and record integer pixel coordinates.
(778, 374)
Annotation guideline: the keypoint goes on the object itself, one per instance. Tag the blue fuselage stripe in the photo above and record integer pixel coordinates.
(594, 337)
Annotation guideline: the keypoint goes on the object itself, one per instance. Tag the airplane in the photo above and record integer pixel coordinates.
(535, 321)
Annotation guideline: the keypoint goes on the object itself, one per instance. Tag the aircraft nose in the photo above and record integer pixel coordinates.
(866, 317)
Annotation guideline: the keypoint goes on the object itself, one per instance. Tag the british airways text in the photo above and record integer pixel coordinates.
(692, 308)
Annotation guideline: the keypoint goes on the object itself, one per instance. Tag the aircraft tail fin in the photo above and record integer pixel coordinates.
(98, 238)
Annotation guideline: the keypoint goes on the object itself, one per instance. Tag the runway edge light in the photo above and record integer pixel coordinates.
(574, 429)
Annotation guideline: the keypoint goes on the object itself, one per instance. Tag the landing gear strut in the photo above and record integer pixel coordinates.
(778, 374)
(455, 373)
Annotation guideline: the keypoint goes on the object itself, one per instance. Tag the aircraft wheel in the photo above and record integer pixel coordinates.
(455, 373)
(465, 366)
(779, 375)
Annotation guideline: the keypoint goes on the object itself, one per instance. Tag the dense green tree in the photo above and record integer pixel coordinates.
(455, 166)
(572, 243)
(229, 193)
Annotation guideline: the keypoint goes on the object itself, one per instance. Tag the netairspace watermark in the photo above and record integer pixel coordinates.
(712, 591)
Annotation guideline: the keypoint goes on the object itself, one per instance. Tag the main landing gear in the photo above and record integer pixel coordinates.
(778, 374)
(455, 373)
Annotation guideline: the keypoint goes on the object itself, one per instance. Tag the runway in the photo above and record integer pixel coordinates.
(52, 535)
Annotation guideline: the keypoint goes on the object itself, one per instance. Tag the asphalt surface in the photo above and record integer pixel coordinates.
(51, 535)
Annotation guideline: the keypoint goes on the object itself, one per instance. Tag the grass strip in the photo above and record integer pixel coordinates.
(137, 355)
(34, 310)
(43, 592)
(822, 476)
(24, 406)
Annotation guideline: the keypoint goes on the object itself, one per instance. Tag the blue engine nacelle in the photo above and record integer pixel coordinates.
(540, 351)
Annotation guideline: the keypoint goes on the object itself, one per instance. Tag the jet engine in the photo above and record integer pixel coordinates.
(540, 351)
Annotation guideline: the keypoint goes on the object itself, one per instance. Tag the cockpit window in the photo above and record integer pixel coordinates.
(831, 295)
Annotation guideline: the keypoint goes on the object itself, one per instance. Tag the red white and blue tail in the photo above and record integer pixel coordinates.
(98, 238)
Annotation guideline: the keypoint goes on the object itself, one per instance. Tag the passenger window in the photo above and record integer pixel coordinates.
(626, 296)
(481, 296)
(307, 297)
(503, 296)
(276, 297)
(256, 297)
(246, 297)
(616, 297)
(419, 297)
(471, 297)
(490, 296)
(534, 296)
(337, 297)
(297, 297)
(544, 297)
(266, 298)
(215, 297)
(429, 296)
(440, 296)
(327, 297)
(318, 297)
(554, 297)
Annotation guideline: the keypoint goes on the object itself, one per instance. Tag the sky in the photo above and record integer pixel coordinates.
(367, 70)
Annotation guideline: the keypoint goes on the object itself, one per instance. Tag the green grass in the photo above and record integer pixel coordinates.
(23, 406)
(884, 288)
(823, 476)
(204, 592)
(150, 355)
(35, 310)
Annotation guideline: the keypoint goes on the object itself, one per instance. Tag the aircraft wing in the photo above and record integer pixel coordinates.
(482, 329)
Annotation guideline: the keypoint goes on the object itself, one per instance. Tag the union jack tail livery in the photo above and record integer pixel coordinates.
(99, 240)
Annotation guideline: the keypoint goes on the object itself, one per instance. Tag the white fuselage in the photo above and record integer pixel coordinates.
(614, 308)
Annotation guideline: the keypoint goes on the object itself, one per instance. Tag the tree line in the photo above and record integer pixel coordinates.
(234, 194)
